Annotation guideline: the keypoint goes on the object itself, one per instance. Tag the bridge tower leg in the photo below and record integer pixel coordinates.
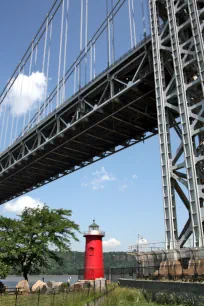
(178, 56)
(171, 234)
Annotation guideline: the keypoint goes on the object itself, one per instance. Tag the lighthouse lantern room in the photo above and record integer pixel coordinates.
(93, 261)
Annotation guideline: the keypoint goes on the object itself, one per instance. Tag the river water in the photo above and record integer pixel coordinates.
(12, 280)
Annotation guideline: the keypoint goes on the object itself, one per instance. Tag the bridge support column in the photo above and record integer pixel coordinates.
(171, 234)
(178, 50)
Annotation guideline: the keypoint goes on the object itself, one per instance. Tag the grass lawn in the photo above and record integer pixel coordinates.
(116, 297)
(61, 299)
(128, 297)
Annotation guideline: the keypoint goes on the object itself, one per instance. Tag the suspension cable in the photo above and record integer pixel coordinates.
(27, 91)
(48, 65)
(5, 133)
(108, 41)
(75, 77)
(91, 62)
(3, 115)
(21, 87)
(143, 19)
(81, 55)
(44, 56)
(60, 53)
(86, 40)
(11, 128)
(113, 33)
(93, 40)
(45, 47)
(148, 16)
(94, 47)
(36, 55)
(24, 58)
(30, 69)
(130, 21)
(81, 42)
(134, 25)
(65, 52)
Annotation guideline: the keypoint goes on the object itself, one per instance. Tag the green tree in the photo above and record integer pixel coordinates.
(36, 236)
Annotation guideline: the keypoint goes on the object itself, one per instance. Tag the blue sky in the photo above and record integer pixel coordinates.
(123, 192)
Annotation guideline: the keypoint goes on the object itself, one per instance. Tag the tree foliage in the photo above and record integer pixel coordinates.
(27, 243)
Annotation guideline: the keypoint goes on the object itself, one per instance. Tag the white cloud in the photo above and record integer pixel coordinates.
(100, 178)
(134, 176)
(123, 187)
(26, 92)
(17, 206)
(111, 243)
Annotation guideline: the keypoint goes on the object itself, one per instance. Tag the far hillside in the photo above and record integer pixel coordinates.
(74, 261)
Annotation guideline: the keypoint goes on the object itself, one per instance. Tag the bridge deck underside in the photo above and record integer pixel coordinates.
(80, 133)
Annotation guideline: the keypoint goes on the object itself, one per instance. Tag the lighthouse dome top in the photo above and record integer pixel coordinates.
(93, 226)
(94, 230)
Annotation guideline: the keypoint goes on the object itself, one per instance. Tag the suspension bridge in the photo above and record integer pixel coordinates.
(139, 73)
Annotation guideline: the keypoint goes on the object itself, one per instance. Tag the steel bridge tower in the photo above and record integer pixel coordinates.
(178, 59)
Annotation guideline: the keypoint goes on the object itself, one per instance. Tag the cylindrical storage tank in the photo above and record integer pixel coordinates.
(93, 261)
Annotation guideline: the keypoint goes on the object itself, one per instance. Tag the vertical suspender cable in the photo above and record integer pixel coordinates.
(43, 70)
(148, 16)
(65, 52)
(2, 127)
(113, 34)
(36, 55)
(48, 66)
(5, 132)
(45, 46)
(18, 90)
(29, 74)
(143, 19)
(27, 90)
(11, 129)
(86, 41)
(94, 51)
(133, 21)
(130, 21)
(81, 42)
(2, 113)
(60, 54)
(21, 87)
(108, 34)
(75, 77)
(24, 117)
(109, 40)
(91, 62)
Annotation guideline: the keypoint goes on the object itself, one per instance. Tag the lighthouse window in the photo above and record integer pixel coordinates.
(91, 251)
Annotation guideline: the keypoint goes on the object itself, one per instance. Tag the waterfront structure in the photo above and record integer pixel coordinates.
(93, 260)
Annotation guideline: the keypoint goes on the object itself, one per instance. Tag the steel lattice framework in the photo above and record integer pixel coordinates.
(178, 58)
(157, 87)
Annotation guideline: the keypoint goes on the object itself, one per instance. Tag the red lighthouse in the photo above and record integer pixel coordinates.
(93, 265)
